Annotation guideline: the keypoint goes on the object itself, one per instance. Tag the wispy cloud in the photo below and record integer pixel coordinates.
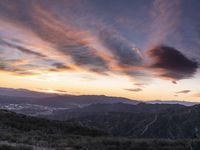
(66, 42)
(70, 41)
(63, 38)
(183, 92)
(134, 90)
(165, 20)
(21, 48)
(140, 84)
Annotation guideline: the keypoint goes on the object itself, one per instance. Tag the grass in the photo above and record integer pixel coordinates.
(110, 143)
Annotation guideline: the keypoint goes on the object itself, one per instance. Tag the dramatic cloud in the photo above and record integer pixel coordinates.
(171, 63)
(84, 40)
(134, 90)
(183, 92)
(71, 44)
(125, 53)
(115, 53)
(62, 37)
(20, 48)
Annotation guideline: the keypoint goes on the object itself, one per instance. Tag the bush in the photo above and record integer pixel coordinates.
(20, 147)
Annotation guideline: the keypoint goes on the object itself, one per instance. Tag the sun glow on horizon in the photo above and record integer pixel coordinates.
(101, 85)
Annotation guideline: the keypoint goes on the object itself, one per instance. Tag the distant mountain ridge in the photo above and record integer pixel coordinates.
(24, 93)
(53, 99)
(124, 107)
(186, 103)
(115, 116)
(106, 108)
(65, 100)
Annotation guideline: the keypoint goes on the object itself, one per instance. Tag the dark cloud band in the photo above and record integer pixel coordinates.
(134, 90)
(172, 63)
(183, 92)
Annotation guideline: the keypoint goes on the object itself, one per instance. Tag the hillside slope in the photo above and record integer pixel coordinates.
(182, 122)
(20, 128)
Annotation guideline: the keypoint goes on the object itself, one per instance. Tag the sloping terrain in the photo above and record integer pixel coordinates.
(20, 128)
(108, 130)
(101, 108)
(145, 122)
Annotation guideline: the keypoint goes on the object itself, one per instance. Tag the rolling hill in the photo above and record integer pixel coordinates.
(139, 121)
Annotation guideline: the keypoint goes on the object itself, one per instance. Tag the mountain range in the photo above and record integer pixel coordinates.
(21, 132)
(17, 96)
(114, 115)
(170, 121)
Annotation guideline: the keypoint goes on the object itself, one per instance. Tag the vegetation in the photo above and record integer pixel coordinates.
(178, 123)
(20, 132)
(110, 143)
(16, 147)
(16, 128)
(135, 144)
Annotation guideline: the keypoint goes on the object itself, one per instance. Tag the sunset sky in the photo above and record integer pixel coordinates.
(139, 49)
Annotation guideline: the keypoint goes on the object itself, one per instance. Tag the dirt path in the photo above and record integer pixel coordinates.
(149, 124)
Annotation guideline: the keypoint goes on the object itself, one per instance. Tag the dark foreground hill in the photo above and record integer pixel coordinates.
(20, 128)
(139, 121)
(20, 132)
